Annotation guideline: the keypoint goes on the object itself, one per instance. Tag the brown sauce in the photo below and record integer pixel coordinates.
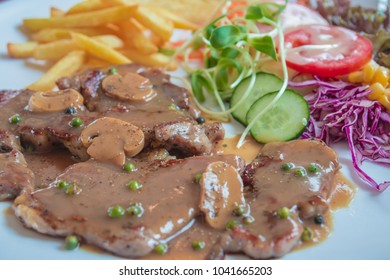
(171, 210)
(343, 194)
(8, 212)
(48, 166)
(228, 146)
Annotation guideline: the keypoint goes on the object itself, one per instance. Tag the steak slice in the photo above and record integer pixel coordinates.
(43, 132)
(168, 194)
(14, 174)
(271, 188)
(88, 83)
(187, 138)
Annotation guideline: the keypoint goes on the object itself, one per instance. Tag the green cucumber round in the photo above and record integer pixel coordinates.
(265, 83)
(286, 120)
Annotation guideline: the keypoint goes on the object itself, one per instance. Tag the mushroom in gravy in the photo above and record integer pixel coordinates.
(110, 139)
(131, 87)
(53, 101)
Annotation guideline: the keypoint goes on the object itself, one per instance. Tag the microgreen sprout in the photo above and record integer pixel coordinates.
(233, 50)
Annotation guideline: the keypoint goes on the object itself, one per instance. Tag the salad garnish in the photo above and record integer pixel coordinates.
(340, 111)
(373, 23)
(233, 47)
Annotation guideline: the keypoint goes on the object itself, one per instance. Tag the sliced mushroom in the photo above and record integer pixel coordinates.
(110, 139)
(221, 193)
(131, 87)
(53, 101)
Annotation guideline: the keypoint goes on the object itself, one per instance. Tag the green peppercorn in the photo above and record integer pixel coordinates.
(116, 211)
(319, 219)
(307, 234)
(76, 122)
(284, 213)
(249, 220)
(135, 209)
(134, 185)
(129, 167)
(232, 224)
(72, 189)
(71, 242)
(62, 184)
(173, 107)
(113, 71)
(161, 249)
(198, 245)
(287, 166)
(197, 178)
(313, 168)
(15, 119)
(239, 210)
(300, 172)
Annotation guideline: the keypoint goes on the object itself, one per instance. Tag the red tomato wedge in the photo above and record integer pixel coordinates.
(343, 51)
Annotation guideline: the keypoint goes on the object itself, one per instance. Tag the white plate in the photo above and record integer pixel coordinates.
(361, 231)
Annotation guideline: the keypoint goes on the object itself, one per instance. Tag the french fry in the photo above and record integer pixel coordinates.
(57, 49)
(21, 50)
(55, 12)
(157, 24)
(99, 49)
(156, 59)
(87, 6)
(120, 2)
(93, 62)
(94, 5)
(132, 32)
(110, 40)
(66, 66)
(53, 34)
(178, 21)
(89, 19)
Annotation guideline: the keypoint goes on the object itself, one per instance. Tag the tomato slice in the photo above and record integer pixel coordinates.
(343, 51)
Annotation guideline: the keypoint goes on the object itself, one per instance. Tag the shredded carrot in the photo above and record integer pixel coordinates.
(194, 55)
(234, 10)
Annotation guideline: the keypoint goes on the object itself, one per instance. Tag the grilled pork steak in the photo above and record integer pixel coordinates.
(167, 120)
(168, 197)
(14, 175)
(89, 82)
(169, 205)
(171, 107)
(275, 180)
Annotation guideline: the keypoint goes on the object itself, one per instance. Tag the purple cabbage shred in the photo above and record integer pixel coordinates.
(340, 111)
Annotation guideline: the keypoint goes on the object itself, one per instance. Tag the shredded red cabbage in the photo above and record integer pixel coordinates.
(339, 111)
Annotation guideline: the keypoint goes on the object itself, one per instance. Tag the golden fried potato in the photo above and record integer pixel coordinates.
(66, 66)
(99, 49)
(133, 34)
(178, 21)
(53, 34)
(21, 50)
(157, 24)
(195, 11)
(57, 49)
(156, 59)
(55, 12)
(89, 19)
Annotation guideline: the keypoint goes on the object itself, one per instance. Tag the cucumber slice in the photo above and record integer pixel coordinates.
(286, 120)
(265, 83)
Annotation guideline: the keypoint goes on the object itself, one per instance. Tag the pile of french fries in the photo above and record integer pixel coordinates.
(98, 33)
